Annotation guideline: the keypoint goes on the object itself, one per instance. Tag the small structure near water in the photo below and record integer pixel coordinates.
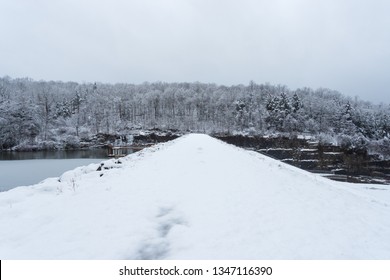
(121, 147)
(118, 151)
(121, 151)
(124, 146)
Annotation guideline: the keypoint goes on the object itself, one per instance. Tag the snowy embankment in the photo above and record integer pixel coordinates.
(194, 198)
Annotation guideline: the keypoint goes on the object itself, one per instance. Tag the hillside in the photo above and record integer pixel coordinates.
(194, 198)
(57, 115)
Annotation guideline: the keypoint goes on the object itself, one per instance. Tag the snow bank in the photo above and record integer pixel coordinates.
(194, 198)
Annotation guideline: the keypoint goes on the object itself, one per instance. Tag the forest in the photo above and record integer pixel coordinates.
(55, 114)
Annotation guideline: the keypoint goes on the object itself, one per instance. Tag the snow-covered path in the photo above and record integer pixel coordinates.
(194, 198)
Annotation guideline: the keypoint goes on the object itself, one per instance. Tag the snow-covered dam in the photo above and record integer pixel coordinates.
(194, 198)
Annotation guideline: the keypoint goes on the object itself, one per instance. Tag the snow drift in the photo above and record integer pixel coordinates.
(194, 198)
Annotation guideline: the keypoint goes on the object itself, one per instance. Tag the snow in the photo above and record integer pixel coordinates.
(194, 198)
(275, 149)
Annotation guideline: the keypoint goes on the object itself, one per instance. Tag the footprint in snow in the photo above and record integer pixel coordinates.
(159, 246)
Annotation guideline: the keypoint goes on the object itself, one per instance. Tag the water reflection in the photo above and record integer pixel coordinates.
(90, 153)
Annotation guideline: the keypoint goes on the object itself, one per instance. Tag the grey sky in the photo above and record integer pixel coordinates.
(338, 44)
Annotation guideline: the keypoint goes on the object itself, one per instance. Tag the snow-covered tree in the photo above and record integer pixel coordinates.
(50, 111)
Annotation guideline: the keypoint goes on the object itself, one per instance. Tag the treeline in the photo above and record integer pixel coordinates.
(51, 114)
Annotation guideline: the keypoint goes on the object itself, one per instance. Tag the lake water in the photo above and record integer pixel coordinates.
(27, 168)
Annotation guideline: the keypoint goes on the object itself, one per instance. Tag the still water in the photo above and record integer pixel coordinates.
(27, 168)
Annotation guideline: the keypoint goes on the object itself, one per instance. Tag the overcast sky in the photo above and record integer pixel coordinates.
(338, 44)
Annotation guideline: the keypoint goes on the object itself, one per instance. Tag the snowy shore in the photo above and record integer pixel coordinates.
(194, 198)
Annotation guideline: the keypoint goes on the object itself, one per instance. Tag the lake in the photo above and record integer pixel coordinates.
(27, 168)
